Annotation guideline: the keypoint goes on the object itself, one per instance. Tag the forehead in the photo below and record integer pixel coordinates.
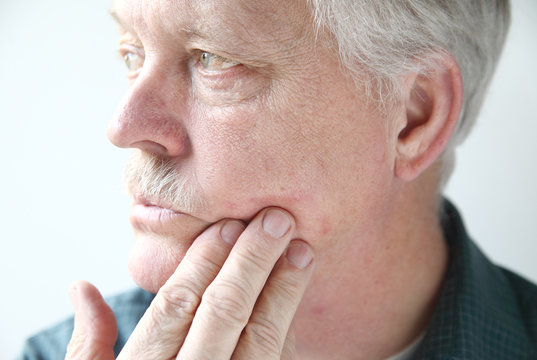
(255, 20)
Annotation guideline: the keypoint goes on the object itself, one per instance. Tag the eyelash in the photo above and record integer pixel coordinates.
(205, 59)
(127, 52)
(134, 58)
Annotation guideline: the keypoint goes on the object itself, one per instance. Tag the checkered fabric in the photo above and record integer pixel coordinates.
(484, 312)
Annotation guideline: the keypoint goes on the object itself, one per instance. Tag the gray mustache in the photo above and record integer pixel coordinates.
(155, 177)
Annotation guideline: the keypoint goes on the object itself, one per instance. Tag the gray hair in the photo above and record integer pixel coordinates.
(390, 37)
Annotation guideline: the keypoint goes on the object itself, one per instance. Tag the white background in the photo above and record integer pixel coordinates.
(64, 216)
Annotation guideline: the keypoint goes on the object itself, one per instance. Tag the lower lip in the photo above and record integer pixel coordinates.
(154, 218)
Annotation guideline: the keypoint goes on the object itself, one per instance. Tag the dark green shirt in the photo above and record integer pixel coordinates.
(484, 311)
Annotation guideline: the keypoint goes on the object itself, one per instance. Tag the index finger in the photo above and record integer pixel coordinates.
(164, 326)
(228, 302)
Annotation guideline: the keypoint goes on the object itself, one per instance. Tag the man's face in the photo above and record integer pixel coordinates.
(242, 108)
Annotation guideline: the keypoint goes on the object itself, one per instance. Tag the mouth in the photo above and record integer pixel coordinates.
(140, 199)
(163, 234)
(152, 215)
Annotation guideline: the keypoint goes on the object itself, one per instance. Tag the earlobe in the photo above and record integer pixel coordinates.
(432, 109)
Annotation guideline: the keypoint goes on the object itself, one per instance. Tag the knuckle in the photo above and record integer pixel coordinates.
(263, 334)
(74, 350)
(289, 288)
(82, 346)
(257, 258)
(179, 300)
(228, 302)
(208, 259)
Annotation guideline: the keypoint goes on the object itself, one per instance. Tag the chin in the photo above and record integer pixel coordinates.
(151, 262)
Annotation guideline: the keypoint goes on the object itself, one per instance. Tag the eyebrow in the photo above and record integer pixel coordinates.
(114, 14)
(241, 47)
(189, 31)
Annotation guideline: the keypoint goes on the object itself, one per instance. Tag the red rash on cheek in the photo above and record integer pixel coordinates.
(287, 201)
(318, 310)
(325, 225)
(230, 205)
(307, 212)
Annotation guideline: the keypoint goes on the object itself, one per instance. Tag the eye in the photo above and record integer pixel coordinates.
(213, 62)
(133, 61)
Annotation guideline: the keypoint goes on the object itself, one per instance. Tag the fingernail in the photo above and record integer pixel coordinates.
(299, 254)
(276, 223)
(231, 231)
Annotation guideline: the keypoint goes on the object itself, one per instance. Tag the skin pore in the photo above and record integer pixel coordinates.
(280, 124)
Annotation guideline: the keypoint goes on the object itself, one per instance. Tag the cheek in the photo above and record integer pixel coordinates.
(243, 184)
(243, 159)
(323, 166)
(246, 180)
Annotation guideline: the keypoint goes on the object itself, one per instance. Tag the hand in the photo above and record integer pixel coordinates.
(233, 296)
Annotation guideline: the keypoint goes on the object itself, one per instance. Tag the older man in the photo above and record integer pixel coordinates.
(287, 165)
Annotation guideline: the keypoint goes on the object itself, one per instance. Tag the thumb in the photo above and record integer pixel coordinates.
(95, 330)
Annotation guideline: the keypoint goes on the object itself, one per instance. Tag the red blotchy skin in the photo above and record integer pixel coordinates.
(231, 205)
(326, 226)
(318, 310)
(286, 128)
(294, 197)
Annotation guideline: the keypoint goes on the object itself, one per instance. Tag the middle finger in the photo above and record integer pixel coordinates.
(165, 324)
(228, 302)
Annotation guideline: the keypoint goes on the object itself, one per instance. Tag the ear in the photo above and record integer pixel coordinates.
(433, 106)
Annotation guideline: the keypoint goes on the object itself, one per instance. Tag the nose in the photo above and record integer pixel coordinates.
(151, 118)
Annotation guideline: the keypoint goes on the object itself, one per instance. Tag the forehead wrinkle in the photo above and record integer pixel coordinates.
(152, 20)
(158, 18)
(251, 30)
(267, 27)
(284, 13)
(198, 32)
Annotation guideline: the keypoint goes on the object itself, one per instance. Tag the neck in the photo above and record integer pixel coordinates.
(380, 295)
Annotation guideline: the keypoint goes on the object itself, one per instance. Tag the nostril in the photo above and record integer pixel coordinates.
(170, 139)
(151, 147)
(145, 120)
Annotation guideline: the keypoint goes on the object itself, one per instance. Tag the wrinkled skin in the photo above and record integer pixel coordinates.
(253, 115)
